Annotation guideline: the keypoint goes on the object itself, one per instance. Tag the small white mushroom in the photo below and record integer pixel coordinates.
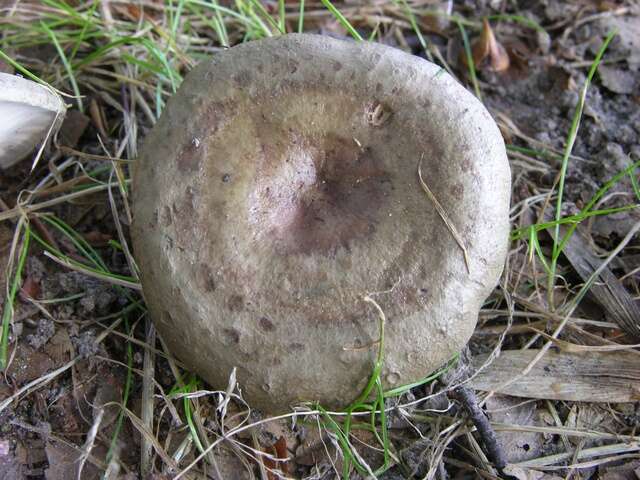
(29, 114)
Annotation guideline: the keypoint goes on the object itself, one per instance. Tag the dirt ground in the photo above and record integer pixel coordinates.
(90, 392)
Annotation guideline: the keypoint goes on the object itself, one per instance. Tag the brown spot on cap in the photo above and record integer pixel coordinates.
(242, 78)
(324, 195)
(266, 324)
(236, 303)
(230, 336)
(296, 347)
(206, 278)
(167, 219)
(457, 191)
(190, 156)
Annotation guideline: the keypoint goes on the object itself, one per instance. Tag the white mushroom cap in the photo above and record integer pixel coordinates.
(29, 112)
(280, 187)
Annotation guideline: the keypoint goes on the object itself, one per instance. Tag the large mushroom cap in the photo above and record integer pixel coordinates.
(28, 112)
(280, 187)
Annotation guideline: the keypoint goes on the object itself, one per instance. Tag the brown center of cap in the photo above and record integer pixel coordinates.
(317, 194)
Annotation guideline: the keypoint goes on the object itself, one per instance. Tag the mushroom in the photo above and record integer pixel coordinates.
(30, 112)
(280, 187)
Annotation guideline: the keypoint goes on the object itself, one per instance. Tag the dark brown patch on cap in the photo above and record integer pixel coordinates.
(457, 191)
(404, 295)
(295, 347)
(317, 195)
(190, 156)
(206, 278)
(242, 78)
(230, 336)
(166, 216)
(236, 303)
(266, 324)
(208, 119)
(213, 116)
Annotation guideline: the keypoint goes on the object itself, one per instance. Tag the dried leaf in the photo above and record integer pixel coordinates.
(30, 288)
(98, 118)
(64, 465)
(29, 364)
(588, 377)
(279, 450)
(312, 448)
(517, 446)
(486, 47)
(481, 46)
(11, 466)
(585, 416)
(625, 471)
(73, 126)
(522, 473)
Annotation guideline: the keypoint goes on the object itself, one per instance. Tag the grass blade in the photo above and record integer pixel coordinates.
(7, 313)
(342, 19)
(571, 139)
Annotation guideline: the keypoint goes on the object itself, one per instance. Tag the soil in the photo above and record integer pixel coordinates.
(44, 432)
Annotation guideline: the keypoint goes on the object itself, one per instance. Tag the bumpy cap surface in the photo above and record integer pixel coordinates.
(280, 187)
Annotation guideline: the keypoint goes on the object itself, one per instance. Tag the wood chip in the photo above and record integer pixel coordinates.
(587, 377)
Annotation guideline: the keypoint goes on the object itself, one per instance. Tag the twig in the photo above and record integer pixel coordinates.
(494, 450)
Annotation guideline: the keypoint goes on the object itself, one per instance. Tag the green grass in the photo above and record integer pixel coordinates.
(558, 243)
(67, 65)
(13, 288)
(469, 57)
(301, 17)
(94, 264)
(343, 20)
(416, 28)
(190, 386)
(586, 212)
(371, 401)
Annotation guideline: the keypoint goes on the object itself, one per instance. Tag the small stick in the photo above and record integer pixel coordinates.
(494, 450)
